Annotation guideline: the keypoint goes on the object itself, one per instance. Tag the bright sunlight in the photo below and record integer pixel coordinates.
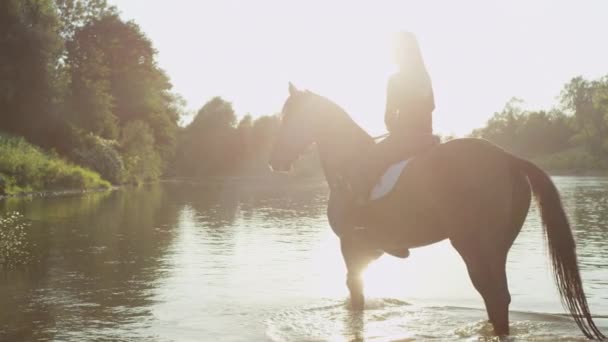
(479, 53)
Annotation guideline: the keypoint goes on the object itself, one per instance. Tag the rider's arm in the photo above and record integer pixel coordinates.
(390, 115)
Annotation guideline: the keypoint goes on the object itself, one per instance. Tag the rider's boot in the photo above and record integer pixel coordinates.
(399, 253)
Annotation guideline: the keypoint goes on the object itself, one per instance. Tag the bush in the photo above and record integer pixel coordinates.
(26, 168)
(2, 185)
(101, 156)
(142, 162)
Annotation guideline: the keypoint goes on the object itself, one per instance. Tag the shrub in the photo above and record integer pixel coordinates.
(100, 155)
(142, 162)
(25, 168)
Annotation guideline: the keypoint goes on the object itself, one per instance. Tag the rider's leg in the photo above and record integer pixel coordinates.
(367, 171)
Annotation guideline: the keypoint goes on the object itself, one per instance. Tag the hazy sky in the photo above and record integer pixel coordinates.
(479, 53)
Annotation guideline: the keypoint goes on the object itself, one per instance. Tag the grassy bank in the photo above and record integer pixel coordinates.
(25, 168)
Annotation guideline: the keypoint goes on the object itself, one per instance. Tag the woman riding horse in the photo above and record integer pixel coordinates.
(468, 191)
(409, 106)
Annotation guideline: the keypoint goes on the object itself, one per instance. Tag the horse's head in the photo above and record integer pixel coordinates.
(296, 131)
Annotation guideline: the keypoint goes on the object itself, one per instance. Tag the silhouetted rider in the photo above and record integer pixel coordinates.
(409, 106)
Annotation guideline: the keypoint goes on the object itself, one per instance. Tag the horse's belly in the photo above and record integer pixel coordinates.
(404, 226)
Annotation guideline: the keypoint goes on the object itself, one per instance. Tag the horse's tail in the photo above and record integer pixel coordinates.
(562, 248)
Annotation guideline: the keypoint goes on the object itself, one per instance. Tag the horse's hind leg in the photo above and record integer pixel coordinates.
(487, 272)
(356, 257)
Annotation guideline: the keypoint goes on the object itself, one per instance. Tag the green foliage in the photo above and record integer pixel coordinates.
(572, 139)
(74, 14)
(115, 80)
(76, 78)
(214, 144)
(142, 162)
(26, 168)
(100, 155)
(29, 49)
(588, 102)
(208, 143)
(528, 134)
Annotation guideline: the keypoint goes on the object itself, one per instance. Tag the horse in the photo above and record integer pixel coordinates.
(468, 190)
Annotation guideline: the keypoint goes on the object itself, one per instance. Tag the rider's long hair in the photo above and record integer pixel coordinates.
(408, 56)
(407, 51)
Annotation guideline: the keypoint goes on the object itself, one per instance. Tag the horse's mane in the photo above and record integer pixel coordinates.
(334, 113)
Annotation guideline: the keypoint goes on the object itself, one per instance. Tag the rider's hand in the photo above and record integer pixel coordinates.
(390, 122)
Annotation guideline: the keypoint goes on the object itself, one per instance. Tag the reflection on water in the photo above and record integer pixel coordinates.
(14, 246)
(221, 262)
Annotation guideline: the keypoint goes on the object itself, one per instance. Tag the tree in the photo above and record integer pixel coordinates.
(210, 141)
(588, 102)
(115, 80)
(244, 138)
(502, 126)
(142, 162)
(75, 14)
(528, 134)
(29, 47)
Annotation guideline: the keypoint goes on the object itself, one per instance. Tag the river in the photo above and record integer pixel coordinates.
(227, 262)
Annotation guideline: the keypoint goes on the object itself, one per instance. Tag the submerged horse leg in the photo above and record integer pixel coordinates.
(487, 272)
(356, 257)
(485, 245)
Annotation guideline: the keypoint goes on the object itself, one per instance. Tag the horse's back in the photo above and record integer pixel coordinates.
(449, 188)
(460, 164)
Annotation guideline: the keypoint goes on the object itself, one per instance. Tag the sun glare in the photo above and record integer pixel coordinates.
(340, 49)
(422, 275)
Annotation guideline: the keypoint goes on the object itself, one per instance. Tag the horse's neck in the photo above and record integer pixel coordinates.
(340, 142)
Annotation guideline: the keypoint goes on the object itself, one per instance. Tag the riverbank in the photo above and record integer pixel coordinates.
(26, 169)
(249, 182)
(55, 193)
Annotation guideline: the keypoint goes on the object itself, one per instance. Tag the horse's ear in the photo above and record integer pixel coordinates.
(292, 89)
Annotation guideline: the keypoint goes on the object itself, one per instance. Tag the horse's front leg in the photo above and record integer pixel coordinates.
(356, 257)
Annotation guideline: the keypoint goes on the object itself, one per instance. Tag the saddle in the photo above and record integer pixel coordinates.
(376, 171)
(385, 182)
(385, 164)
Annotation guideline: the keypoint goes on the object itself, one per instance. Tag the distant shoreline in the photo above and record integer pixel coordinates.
(56, 193)
(240, 180)
(247, 180)
(578, 173)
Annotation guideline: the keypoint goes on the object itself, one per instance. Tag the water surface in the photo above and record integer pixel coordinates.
(227, 262)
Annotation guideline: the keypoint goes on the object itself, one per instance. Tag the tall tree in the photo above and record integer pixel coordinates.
(209, 142)
(588, 101)
(115, 80)
(29, 47)
(527, 133)
(74, 14)
(502, 126)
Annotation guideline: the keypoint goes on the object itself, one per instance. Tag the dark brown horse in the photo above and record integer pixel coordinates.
(467, 190)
